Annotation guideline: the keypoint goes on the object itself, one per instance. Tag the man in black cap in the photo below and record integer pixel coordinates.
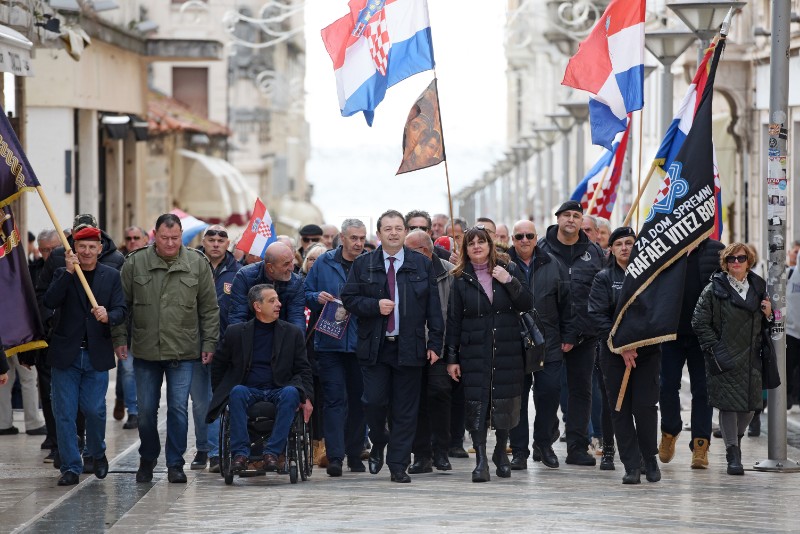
(567, 242)
(310, 233)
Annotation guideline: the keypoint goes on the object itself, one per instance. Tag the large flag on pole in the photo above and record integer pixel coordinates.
(20, 327)
(682, 216)
(378, 44)
(423, 142)
(608, 169)
(260, 232)
(609, 64)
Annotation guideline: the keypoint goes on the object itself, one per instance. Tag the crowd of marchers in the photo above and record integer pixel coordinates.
(423, 345)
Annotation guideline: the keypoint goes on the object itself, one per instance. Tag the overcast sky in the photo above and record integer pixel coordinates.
(352, 165)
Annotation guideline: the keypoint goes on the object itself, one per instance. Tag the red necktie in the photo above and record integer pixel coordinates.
(391, 278)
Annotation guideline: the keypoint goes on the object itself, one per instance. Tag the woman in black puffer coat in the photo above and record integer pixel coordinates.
(729, 320)
(484, 345)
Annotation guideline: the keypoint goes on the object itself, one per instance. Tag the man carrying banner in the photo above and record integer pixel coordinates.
(568, 244)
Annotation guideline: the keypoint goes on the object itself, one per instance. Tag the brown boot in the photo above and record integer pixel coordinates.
(320, 456)
(700, 453)
(666, 448)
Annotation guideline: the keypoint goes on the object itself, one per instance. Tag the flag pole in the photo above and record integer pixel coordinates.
(639, 195)
(444, 153)
(64, 242)
(639, 172)
(623, 387)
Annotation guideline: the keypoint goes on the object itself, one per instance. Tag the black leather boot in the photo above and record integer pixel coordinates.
(499, 457)
(607, 460)
(481, 471)
(734, 456)
(754, 428)
(651, 471)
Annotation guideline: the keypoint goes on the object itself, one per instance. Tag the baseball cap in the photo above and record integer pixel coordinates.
(83, 221)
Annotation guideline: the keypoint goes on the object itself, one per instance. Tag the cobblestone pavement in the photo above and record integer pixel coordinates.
(569, 499)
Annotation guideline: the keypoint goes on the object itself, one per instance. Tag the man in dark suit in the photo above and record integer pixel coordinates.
(393, 292)
(81, 351)
(263, 359)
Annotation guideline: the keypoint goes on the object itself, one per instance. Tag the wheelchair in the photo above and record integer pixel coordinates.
(297, 458)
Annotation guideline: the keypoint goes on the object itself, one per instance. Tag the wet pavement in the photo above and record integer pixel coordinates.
(571, 499)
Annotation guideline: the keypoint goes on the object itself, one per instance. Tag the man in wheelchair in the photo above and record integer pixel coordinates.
(263, 359)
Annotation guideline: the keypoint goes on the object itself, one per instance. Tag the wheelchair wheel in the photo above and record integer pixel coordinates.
(293, 474)
(225, 455)
(305, 460)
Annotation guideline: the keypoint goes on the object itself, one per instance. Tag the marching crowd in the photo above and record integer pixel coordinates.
(427, 346)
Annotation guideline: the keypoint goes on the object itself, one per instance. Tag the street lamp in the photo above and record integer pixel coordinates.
(704, 18)
(667, 46)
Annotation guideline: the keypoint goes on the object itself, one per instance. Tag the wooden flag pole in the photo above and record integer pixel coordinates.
(623, 388)
(639, 195)
(446, 169)
(597, 189)
(64, 242)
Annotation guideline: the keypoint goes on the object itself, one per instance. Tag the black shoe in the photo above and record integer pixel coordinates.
(131, 423)
(68, 478)
(10, 431)
(481, 471)
(334, 467)
(754, 428)
(50, 458)
(88, 465)
(632, 476)
(239, 464)
(651, 471)
(581, 457)
(200, 461)
(441, 462)
(457, 452)
(101, 467)
(176, 475)
(47, 444)
(356, 465)
(547, 456)
(734, 456)
(41, 431)
(376, 459)
(400, 476)
(421, 465)
(607, 460)
(145, 472)
(271, 462)
(500, 459)
(518, 461)
(213, 464)
(536, 456)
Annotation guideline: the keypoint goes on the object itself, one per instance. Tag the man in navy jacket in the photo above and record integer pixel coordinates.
(81, 351)
(392, 349)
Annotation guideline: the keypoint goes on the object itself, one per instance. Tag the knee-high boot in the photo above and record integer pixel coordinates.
(481, 472)
(499, 457)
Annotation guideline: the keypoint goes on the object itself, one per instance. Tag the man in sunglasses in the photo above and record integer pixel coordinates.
(549, 281)
(583, 259)
(135, 238)
(223, 267)
(309, 234)
(420, 220)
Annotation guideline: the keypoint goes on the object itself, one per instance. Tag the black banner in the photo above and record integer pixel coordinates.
(16, 174)
(682, 215)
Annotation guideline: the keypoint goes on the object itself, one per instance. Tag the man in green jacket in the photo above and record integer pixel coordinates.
(174, 321)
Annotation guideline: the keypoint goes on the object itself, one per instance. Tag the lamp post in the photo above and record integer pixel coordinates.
(547, 135)
(667, 46)
(704, 18)
(580, 113)
(564, 123)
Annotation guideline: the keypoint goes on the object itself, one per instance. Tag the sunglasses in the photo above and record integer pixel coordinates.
(519, 237)
(423, 228)
(311, 239)
(133, 237)
(732, 259)
(212, 233)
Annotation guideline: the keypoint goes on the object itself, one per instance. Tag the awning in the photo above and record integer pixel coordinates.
(214, 190)
(15, 52)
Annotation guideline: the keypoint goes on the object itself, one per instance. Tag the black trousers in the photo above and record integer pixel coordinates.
(458, 417)
(579, 363)
(792, 363)
(608, 407)
(43, 372)
(391, 392)
(546, 385)
(433, 421)
(636, 424)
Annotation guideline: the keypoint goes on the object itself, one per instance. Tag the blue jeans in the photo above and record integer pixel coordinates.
(206, 435)
(674, 354)
(80, 385)
(149, 377)
(286, 401)
(343, 417)
(127, 378)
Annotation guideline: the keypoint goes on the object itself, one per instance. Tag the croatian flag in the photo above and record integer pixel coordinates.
(676, 135)
(190, 225)
(610, 161)
(378, 44)
(609, 64)
(260, 232)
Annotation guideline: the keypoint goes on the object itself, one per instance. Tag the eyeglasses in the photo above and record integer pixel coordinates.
(519, 237)
(46, 250)
(307, 239)
(423, 228)
(740, 259)
(132, 238)
(211, 233)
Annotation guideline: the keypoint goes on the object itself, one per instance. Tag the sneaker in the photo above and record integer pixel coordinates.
(666, 448)
(699, 453)
(213, 464)
(51, 457)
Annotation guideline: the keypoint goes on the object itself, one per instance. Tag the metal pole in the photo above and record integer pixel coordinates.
(548, 185)
(538, 204)
(506, 193)
(777, 214)
(579, 149)
(701, 50)
(519, 204)
(666, 97)
(564, 188)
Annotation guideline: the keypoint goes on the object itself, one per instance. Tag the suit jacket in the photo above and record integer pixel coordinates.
(74, 319)
(232, 361)
(419, 305)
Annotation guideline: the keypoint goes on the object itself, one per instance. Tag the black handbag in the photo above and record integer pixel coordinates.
(533, 341)
(770, 375)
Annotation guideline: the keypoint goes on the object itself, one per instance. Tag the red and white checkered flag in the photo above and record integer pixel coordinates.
(379, 41)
